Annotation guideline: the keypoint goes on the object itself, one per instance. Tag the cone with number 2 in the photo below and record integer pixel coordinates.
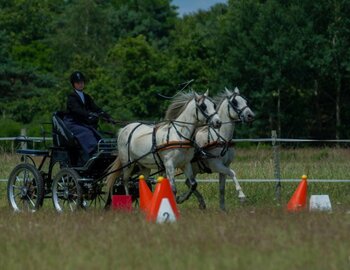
(163, 205)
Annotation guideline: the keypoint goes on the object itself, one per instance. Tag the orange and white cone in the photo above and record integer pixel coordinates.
(145, 194)
(163, 206)
(298, 200)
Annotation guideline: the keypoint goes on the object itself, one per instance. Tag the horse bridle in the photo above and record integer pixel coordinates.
(232, 102)
(203, 107)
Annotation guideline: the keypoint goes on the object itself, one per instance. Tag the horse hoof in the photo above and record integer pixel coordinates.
(223, 209)
(202, 206)
(179, 200)
(242, 199)
(193, 187)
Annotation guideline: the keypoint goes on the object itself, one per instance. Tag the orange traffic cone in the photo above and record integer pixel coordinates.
(163, 206)
(145, 194)
(298, 200)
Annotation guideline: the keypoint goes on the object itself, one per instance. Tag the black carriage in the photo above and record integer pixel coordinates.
(60, 173)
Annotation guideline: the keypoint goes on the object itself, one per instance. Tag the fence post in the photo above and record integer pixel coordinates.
(277, 168)
(23, 134)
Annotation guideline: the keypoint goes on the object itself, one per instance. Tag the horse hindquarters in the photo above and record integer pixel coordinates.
(113, 173)
(135, 145)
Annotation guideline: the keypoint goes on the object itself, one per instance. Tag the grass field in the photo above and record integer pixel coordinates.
(256, 235)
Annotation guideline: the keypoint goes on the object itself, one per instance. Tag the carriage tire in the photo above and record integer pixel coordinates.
(97, 198)
(66, 191)
(25, 188)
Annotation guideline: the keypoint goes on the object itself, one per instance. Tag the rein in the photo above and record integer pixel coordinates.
(220, 142)
(185, 144)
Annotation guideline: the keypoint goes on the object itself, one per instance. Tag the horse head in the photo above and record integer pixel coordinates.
(206, 110)
(238, 106)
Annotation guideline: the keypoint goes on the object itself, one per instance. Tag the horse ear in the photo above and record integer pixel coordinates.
(236, 90)
(196, 96)
(228, 92)
(206, 93)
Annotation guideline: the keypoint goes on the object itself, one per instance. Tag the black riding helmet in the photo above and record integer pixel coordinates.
(77, 76)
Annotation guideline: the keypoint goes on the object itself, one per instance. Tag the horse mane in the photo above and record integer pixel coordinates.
(178, 105)
(219, 98)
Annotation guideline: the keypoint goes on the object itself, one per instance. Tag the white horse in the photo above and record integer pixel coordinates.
(217, 145)
(167, 145)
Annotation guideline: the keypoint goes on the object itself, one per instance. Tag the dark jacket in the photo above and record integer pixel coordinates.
(80, 111)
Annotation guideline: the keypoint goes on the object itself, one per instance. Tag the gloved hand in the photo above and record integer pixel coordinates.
(112, 121)
(104, 115)
(93, 118)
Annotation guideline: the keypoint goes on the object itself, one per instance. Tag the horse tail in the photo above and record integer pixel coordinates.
(113, 173)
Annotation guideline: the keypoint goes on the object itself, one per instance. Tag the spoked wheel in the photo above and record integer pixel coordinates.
(25, 188)
(95, 194)
(66, 191)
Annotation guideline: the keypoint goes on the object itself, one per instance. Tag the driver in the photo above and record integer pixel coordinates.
(83, 115)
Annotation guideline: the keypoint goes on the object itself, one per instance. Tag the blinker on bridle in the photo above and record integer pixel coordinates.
(203, 107)
(232, 102)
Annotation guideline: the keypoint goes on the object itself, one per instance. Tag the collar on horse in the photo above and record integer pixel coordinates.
(220, 142)
(187, 143)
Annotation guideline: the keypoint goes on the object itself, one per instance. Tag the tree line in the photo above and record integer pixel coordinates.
(291, 59)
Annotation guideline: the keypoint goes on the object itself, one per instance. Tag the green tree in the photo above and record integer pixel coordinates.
(278, 51)
(26, 57)
(82, 34)
(193, 49)
(141, 72)
(154, 19)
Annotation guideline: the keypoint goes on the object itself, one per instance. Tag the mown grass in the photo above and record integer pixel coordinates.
(256, 235)
(247, 238)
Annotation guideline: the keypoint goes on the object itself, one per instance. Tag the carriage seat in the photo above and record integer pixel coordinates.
(61, 135)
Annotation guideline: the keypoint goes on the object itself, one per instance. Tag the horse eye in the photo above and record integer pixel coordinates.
(203, 106)
(214, 106)
(234, 102)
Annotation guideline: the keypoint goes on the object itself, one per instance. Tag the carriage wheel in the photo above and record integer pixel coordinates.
(66, 191)
(95, 195)
(25, 188)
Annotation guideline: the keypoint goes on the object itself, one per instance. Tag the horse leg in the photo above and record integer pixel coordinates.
(239, 190)
(221, 168)
(222, 182)
(170, 172)
(199, 196)
(126, 175)
(192, 184)
(241, 195)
